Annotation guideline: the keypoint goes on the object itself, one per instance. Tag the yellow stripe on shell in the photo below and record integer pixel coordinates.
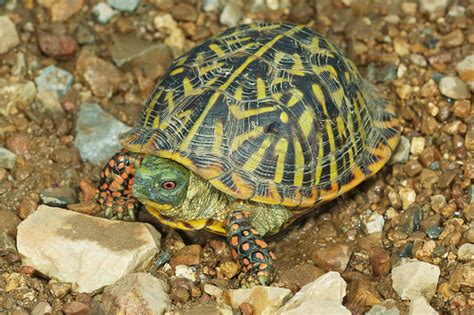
(297, 68)
(238, 140)
(299, 162)
(261, 93)
(254, 161)
(238, 113)
(279, 55)
(318, 69)
(296, 96)
(188, 87)
(237, 40)
(217, 50)
(238, 93)
(212, 66)
(177, 71)
(281, 149)
(306, 123)
(332, 146)
(319, 164)
(184, 145)
(318, 93)
(218, 135)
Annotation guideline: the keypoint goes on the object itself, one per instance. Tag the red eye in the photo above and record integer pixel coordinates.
(168, 185)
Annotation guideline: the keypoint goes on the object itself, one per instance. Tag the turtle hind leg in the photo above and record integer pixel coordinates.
(114, 193)
(249, 248)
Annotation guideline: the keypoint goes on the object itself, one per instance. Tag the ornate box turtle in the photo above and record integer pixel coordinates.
(246, 132)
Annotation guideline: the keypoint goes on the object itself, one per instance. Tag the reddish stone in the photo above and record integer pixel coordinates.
(57, 46)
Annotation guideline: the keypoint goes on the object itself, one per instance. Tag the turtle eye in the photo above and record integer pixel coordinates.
(168, 185)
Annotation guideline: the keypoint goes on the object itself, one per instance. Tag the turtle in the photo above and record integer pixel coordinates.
(246, 132)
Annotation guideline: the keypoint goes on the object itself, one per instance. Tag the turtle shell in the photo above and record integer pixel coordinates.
(272, 113)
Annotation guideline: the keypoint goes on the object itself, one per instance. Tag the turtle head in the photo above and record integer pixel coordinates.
(161, 184)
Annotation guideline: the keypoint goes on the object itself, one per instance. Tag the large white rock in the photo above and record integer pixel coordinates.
(420, 306)
(264, 300)
(137, 293)
(87, 251)
(415, 279)
(322, 296)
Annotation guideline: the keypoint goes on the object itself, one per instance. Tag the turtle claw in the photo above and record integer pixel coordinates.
(114, 193)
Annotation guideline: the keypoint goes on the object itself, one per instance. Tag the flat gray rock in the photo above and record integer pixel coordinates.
(86, 251)
(97, 133)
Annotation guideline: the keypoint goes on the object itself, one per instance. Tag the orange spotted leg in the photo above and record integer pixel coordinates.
(250, 250)
(114, 193)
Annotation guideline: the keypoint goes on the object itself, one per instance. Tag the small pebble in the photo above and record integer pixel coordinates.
(431, 6)
(103, 12)
(465, 69)
(402, 152)
(7, 159)
(186, 272)
(434, 232)
(211, 5)
(466, 252)
(373, 222)
(124, 5)
(418, 60)
(408, 197)
(231, 14)
(213, 290)
(417, 145)
(54, 79)
(454, 88)
(8, 35)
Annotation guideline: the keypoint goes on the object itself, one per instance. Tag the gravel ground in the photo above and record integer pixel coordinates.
(421, 206)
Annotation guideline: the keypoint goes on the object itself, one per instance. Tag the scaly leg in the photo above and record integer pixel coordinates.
(114, 193)
(249, 248)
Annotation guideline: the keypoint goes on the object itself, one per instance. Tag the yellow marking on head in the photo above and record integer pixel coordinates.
(261, 93)
(297, 68)
(299, 162)
(284, 117)
(218, 135)
(306, 122)
(237, 112)
(177, 71)
(254, 161)
(238, 140)
(319, 164)
(281, 149)
(213, 99)
(296, 96)
(217, 50)
(156, 206)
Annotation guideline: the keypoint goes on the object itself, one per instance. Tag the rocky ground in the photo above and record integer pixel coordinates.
(75, 73)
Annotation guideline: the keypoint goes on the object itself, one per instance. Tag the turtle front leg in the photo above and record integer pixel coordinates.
(114, 193)
(249, 249)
